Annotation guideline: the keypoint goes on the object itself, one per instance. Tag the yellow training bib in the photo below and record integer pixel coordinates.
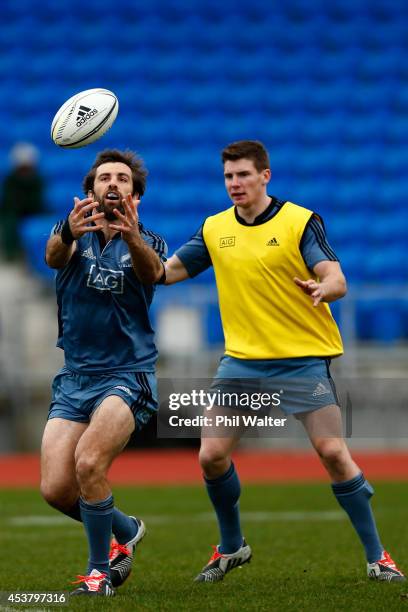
(264, 314)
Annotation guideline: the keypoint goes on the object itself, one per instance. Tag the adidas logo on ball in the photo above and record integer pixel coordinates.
(84, 118)
(85, 113)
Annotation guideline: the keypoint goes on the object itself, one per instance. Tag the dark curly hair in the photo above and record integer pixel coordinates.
(135, 163)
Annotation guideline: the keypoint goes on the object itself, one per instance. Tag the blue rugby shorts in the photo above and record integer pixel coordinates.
(76, 396)
(302, 384)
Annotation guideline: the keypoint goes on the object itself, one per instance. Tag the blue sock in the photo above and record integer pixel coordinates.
(354, 497)
(123, 527)
(97, 520)
(224, 493)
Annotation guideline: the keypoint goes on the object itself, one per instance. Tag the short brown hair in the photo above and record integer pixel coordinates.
(135, 163)
(247, 149)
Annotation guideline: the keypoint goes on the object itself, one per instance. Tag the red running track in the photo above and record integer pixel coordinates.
(181, 467)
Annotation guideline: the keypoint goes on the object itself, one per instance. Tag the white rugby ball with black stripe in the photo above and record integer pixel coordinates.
(84, 118)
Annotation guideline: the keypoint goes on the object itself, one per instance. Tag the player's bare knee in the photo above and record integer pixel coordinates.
(331, 452)
(89, 468)
(58, 497)
(213, 459)
(48, 493)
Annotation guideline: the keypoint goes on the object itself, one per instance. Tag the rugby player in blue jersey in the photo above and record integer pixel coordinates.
(275, 273)
(107, 266)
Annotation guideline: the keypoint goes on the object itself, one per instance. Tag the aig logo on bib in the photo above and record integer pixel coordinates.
(227, 241)
(105, 279)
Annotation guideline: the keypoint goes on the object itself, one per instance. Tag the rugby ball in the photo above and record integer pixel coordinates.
(84, 118)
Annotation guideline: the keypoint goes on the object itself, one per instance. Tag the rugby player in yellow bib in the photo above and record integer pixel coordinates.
(275, 274)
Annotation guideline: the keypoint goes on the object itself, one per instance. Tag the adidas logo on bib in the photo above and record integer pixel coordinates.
(272, 242)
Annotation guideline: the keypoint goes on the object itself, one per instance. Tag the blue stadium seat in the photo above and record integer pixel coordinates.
(386, 263)
(213, 326)
(389, 227)
(34, 233)
(328, 96)
(341, 62)
(360, 159)
(394, 164)
(60, 197)
(325, 129)
(318, 161)
(391, 194)
(351, 193)
(380, 320)
(346, 230)
(382, 62)
(352, 258)
(366, 126)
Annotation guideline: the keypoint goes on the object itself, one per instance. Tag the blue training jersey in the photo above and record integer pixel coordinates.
(103, 309)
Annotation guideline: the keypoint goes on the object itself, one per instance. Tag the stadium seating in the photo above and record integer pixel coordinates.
(324, 85)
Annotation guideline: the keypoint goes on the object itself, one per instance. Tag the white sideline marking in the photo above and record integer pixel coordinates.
(202, 517)
(306, 515)
(23, 521)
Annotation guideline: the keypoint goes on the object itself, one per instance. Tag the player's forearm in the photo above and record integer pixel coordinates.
(171, 276)
(146, 263)
(333, 287)
(175, 271)
(57, 253)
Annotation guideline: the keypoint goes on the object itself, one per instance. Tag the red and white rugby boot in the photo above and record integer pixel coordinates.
(97, 583)
(385, 569)
(222, 563)
(121, 555)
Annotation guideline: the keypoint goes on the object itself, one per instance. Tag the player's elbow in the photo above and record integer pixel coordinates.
(150, 276)
(147, 279)
(342, 286)
(54, 262)
(335, 287)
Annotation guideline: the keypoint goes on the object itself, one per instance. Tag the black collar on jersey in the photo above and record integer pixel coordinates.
(101, 238)
(270, 211)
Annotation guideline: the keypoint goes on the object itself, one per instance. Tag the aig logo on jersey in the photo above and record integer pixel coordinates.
(105, 279)
(228, 241)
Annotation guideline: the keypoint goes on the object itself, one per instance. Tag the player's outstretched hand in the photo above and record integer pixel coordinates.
(128, 221)
(312, 288)
(79, 217)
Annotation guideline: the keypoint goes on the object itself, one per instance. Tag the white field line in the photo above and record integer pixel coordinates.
(203, 517)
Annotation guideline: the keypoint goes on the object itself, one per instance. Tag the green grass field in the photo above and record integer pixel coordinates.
(306, 556)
